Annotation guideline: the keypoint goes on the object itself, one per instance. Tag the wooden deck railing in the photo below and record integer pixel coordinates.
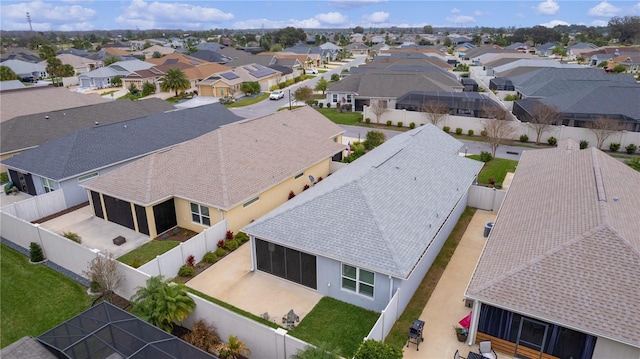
(509, 348)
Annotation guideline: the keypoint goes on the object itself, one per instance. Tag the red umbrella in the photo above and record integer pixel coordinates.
(466, 321)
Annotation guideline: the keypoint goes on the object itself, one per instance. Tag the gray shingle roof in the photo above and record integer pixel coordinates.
(32, 130)
(93, 148)
(231, 165)
(396, 83)
(382, 211)
(566, 244)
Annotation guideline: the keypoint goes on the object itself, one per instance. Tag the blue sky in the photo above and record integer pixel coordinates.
(72, 15)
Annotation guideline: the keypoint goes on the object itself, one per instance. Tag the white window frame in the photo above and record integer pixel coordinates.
(334, 97)
(202, 218)
(359, 283)
(48, 185)
(87, 177)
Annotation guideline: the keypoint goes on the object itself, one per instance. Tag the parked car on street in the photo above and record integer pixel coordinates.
(311, 71)
(276, 95)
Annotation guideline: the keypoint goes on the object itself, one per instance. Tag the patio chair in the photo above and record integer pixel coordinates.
(457, 355)
(486, 350)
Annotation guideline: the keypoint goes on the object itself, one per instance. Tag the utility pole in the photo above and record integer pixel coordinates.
(29, 21)
(289, 99)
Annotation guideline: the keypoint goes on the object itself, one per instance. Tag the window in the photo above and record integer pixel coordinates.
(334, 97)
(86, 177)
(48, 185)
(299, 175)
(357, 280)
(200, 214)
(349, 98)
(251, 202)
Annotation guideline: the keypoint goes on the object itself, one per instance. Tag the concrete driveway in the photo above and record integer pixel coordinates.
(96, 233)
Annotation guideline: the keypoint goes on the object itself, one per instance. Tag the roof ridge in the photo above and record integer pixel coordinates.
(542, 256)
(223, 172)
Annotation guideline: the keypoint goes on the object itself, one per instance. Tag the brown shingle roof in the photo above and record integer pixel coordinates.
(566, 244)
(230, 165)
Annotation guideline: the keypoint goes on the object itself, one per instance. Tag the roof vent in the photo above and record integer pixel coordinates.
(96, 123)
(46, 117)
(616, 199)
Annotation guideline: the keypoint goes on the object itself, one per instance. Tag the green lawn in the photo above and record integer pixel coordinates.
(35, 298)
(341, 118)
(338, 324)
(147, 252)
(497, 169)
(248, 101)
(398, 335)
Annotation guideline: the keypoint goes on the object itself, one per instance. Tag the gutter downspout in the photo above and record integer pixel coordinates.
(475, 318)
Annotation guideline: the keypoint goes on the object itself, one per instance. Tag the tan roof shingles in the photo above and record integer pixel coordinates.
(559, 251)
(230, 165)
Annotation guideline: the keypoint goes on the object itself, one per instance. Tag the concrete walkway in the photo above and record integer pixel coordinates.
(446, 305)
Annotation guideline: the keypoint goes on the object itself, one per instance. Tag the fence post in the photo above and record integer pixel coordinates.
(37, 225)
(159, 266)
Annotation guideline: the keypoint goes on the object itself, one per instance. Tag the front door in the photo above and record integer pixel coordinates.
(532, 334)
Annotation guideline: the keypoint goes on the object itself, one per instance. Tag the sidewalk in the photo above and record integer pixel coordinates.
(446, 306)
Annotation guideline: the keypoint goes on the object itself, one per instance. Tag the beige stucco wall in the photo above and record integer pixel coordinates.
(183, 215)
(606, 349)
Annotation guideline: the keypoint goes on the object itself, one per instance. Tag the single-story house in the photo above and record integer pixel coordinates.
(26, 69)
(224, 84)
(236, 173)
(373, 228)
(66, 162)
(80, 64)
(559, 275)
(101, 77)
(358, 48)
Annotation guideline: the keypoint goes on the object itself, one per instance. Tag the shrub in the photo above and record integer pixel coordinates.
(35, 252)
(176, 230)
(485, 156)
(220, 243)
(228, 235)
(484, 133)
(584, 144)
(446, 129)
(373, 349)
(389, 122)
(4, 177)
(400, 123)
(614, 147)
(274, 87)
(412, 125)
(335, 77)
(552, 141)
(631, 149)
(306, 187)
(511, 97)
(220, 252)
(136, 262)
(321, 104)
(242, 237)
(458, 130)
(367, 120)
(72, 236)
(186, 271)
(231, 245)
(191, 261)
(291, 194)
(492, 181)
(210, 257)
(94, 287)
(319, 179)
(328, 104)
(374, 139)
(470, 132)
(282, 85)
(524, 138)
(203, 335)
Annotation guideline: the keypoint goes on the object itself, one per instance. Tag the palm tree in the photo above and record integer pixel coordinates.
(175, 80)
(233, 349)
(162, 303)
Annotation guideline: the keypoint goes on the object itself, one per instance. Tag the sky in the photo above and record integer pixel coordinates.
(85, 15)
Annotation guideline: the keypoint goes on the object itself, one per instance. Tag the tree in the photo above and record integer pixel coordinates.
(427, 29)
(373, 349)
(436, 111)
(321, 85)
(156, 55)
(161, 302)
(148, 88)
(233, 349)
(335, 77)
(103, 270)
(374, 139)
(116, 80)
(498, 128)
(447, 41)
(477, 39)
(560, 52)
(303, 94)
(625, 29)
(603, 127)
(619, 68)
(54, 69)
(7, 74)
(111, 59)
(133, 90)
(67, 70)
(175, 80)
(379, 107)
(358, 30)
(542, 118)
(250, 88)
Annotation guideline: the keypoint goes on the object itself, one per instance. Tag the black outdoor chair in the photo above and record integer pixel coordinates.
(415, 333)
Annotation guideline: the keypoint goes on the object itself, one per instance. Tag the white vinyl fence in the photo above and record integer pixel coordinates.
(37, 207)
(489, 199)
(387, 319)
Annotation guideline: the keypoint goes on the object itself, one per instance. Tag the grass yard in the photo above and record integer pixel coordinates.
(247, 101)
(35, 298)
(398, 335)
(338, 324)
(342, 118)
(497, 169)
(147, 252)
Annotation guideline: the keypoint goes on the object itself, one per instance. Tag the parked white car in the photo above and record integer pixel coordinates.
(276, 95)
(311, 71)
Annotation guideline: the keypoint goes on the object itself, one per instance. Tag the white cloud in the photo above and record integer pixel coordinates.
(78, 26)
(145, 15)
(636, 8)
(480, 13)
(455, 10)
(599, 23)
(350, 4)
(554, 23)
(333, 18)
(377, 17)
(45, 16)
(520, 15)
(604, 9)
(271, 24)
(461, 19)
(548, 7)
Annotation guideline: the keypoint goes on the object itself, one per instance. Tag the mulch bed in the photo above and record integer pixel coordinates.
(179, 234)
(55, 215)
(200, 267)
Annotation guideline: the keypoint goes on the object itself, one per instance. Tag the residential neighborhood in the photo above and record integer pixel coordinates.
(276, 191)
